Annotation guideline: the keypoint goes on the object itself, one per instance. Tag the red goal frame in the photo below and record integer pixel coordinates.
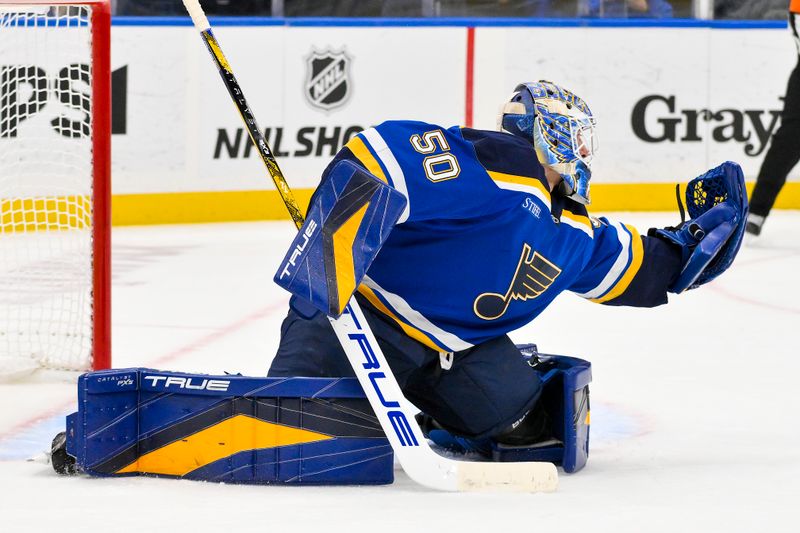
(101, 171)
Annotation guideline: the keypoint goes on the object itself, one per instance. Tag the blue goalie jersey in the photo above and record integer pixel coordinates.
(482, 247)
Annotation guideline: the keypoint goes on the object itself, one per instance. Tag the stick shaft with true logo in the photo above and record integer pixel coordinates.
(394, 412)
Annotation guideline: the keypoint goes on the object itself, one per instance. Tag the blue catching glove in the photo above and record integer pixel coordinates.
(710, 240)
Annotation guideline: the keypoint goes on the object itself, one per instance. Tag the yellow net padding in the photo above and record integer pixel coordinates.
(52, 213)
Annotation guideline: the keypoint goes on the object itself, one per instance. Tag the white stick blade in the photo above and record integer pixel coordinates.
(508, 477)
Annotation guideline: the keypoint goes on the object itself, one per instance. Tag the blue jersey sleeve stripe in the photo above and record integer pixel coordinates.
(637, 256)
(512, 182)
(619, 267)
(440, 339)
(394, 172)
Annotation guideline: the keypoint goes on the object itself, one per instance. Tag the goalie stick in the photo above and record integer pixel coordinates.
(394, 412)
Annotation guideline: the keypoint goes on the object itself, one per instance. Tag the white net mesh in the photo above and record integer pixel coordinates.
(45, 188)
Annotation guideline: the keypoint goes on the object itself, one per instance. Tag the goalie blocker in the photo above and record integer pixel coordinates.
(349, 218)
(296, 431)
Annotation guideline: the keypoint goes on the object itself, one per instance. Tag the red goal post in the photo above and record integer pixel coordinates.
(55, 188)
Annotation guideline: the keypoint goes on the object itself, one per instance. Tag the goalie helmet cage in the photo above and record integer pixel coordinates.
(55, 155)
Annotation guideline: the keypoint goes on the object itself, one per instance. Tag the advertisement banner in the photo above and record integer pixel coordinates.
(670, 102)
(311, 89)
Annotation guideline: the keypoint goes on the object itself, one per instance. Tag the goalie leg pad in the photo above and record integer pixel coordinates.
(564, 399)
(350, 216)
(227, 429)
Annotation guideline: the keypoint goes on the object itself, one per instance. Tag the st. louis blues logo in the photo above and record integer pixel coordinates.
(328, 79)
(533, 276)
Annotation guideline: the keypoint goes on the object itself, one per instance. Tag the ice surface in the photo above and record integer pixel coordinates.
(692, 403)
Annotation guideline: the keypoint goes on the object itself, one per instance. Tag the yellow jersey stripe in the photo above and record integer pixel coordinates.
(618, 269)
(637, 255)
(411, 331)
(524, 181)
(362, 153)
(581, 222)
(580, 219)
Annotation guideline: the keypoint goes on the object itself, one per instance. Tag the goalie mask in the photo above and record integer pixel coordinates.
(561, 128)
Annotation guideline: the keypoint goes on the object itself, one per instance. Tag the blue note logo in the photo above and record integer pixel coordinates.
(534, 274)
(328, 82)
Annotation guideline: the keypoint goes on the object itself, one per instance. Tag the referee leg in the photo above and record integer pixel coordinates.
(783, 153)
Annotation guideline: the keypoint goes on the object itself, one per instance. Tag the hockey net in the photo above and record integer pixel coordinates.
(54, 186)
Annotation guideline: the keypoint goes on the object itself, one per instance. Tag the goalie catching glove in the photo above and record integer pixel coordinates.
(710, 240)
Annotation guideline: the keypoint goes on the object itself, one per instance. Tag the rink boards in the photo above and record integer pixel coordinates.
(672, 99)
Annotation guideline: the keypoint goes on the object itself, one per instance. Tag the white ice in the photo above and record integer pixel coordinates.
(693, 403)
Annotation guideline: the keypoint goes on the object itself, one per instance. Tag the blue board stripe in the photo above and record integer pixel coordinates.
(458, 22)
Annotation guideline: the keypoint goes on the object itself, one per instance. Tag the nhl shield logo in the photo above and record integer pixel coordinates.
(328, 79)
